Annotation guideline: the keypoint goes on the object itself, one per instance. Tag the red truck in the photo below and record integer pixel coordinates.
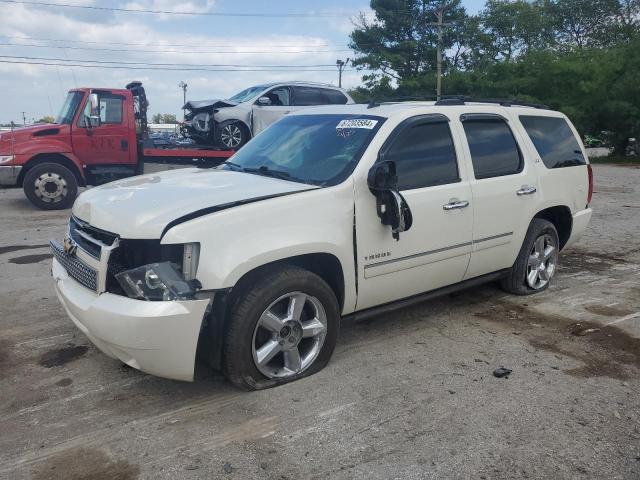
(101, 135)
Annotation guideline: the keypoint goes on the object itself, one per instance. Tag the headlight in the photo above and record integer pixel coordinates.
(156, 282)
(7, 158)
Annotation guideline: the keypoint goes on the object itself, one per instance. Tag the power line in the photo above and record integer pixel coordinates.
(217, 44)
(126, 67)
(182, 52)
(233, 65)
(173, 12)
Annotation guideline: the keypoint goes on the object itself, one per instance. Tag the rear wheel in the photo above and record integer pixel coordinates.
(232, 134)
(282, 328)
(50, 186)
(537, 261)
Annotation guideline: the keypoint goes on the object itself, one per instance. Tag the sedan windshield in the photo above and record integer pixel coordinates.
(246, 94)
(69, 108)
(321, 150)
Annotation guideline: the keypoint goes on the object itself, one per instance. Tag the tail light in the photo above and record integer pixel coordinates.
(590, 173)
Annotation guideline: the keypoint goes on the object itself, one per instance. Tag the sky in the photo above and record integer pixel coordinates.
(79, 34)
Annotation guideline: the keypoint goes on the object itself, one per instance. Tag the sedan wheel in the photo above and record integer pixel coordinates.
(231, 135)
(289, 335)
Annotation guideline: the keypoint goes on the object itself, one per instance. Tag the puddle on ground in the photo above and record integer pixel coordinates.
(65, 382)
(575, 260)
(61, 356)
(606, 311)
(604, 351)
(85, 464)
(15, 248)
(26, 259)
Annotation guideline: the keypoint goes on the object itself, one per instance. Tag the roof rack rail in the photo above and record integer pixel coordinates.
(503, 102)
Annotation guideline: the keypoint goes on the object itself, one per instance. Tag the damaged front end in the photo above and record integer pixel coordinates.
(199, 123)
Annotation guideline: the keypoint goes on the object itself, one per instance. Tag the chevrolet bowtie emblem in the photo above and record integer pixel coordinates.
(69, 246)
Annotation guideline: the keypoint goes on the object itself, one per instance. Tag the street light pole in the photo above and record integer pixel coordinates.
(341, 64)
(183, 86)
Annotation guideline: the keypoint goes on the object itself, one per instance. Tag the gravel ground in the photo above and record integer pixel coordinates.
(407, 395)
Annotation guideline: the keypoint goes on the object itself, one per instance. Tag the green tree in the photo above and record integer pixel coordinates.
(584, 23)
(47, 119)
(400, 43)
(164, 118)
(516, 27)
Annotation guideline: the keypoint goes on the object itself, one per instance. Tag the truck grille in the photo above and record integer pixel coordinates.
(83, 274)
(88, 238)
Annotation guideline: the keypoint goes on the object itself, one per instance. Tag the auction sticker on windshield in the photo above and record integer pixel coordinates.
(357, 123)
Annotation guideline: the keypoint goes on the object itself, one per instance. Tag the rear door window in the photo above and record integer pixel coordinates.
(494, 151)
(424, 154)
(304, 96)
(334, 97)
(554, 140)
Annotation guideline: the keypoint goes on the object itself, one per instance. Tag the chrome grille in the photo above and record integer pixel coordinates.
(90, 239)
(79, 271)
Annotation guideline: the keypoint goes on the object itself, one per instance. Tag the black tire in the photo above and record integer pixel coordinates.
(226, 134)
(50, 186)
(515, 282)
(246, 307)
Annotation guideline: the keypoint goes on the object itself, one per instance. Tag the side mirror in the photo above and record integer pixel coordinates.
(382, 177)
(93, 119)
(264, 101)
(392, 208)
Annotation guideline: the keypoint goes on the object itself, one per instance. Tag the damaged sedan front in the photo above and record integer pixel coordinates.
(230, 123)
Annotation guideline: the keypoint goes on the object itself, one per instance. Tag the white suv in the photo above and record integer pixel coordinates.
(330, 212)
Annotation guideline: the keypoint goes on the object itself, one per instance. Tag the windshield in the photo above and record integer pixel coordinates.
(247, 94)
(69, 108)
(317, 149)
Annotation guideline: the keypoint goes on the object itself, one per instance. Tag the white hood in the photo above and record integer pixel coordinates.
(141, 207)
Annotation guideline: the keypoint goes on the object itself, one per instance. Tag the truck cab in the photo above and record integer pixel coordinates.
(99, 136)
(332, 212)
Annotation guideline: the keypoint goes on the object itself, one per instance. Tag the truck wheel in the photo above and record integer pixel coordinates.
(281, 328)
(537, 261)
(50, 186)
(232, 134)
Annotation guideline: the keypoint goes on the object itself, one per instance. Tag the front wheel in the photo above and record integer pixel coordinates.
(537, 261)
(281, 328)
(232, 134)
(50, 186)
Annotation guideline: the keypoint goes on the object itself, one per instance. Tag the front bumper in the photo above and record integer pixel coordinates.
(9, 175)
(159, 338)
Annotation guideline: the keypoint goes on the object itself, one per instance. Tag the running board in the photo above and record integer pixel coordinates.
(423, 297)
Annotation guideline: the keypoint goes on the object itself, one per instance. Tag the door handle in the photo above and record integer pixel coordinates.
(124, 145)
(526, 190)
(455, 204)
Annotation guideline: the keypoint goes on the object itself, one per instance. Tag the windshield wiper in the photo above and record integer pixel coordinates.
(267, 172)
(234, 165)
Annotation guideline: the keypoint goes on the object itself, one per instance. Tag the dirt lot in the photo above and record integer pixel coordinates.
(408, 395)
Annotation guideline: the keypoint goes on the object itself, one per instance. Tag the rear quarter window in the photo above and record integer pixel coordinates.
(554, 140)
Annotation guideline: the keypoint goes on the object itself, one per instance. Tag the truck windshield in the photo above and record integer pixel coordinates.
(321, 150)
(69, 108)
(246, 94)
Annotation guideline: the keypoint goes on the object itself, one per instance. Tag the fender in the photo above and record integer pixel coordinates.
(39, 157)
(315, 221)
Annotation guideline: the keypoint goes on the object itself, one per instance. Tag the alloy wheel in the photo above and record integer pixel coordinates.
(542, 262)
(231, 135)
(289, 335)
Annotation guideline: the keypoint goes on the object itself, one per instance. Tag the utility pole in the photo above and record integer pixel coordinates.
(183, 86)
(341, 64)
(440, 16)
